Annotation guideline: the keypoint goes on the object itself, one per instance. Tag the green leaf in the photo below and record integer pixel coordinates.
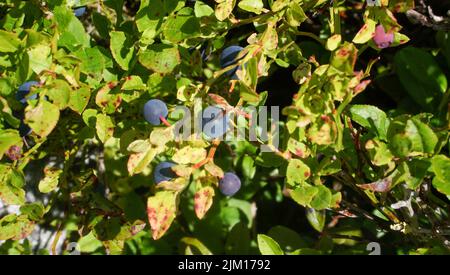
(139, 146)
(378, 152)
(40, 58)
(316, 218)
(440, 165)
(442, 185)
(411, 137)
(295, 14)
(11, 183)
(133, 82)
(202, 249)
(43, 118)
(149, 16)
(365, 33)
(297, 171)
(50, 180)
(88, 243)
(322, 199)
(254, 6)
(267, 245)
(372, 118)
(421, 76)
(92, 61)
(413, 172)
(224, 9)
(303, 195)
(333, 42)
(202, 10)
(59, 93)
(288, 239)
(104, 127)
(79, 99)
(189, 154)
(160, 58)
(73, 36)
(34, 211)
(90, 117)
(9, 42)
(15, 227)
(181, 26)
(122, 49)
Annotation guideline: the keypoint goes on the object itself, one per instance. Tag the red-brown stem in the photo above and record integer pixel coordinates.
(210, 156)
(233, 83)
(164, 121)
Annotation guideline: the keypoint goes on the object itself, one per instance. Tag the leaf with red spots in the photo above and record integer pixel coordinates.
(344, 58)
(297, 171)
(203, 200)
(176, 185)
(108, 100)
(104, 127)
(365, 33)
(401, 5)
(139, 161)
(11, 184)
(15, 227)
(161, 211)
(43, 118)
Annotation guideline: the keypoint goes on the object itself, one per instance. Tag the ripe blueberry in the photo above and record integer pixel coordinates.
(229, 184)
(24, 90)
(228, 58)
(214, 121)
(79, 11)
(154, 109)
(163, 172)
(381, 38)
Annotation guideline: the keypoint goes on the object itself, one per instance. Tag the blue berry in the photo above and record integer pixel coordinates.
(24, 90)
(153, 110)
(228, 58)
(163, 172)
(229, 184)
(79, 11)
(214, 121)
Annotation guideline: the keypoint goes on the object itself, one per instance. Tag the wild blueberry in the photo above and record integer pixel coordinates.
(381, 38)
(79, 11)
(163, 172)
(214, 121)
(24, 90)
(154, 109)
(229, 184)
(228, 58)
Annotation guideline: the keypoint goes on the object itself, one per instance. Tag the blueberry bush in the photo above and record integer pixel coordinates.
(93, 92)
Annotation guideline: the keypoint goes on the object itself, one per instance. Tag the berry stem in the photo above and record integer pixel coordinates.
(233, 84)
(210, 156)
(164, 121)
